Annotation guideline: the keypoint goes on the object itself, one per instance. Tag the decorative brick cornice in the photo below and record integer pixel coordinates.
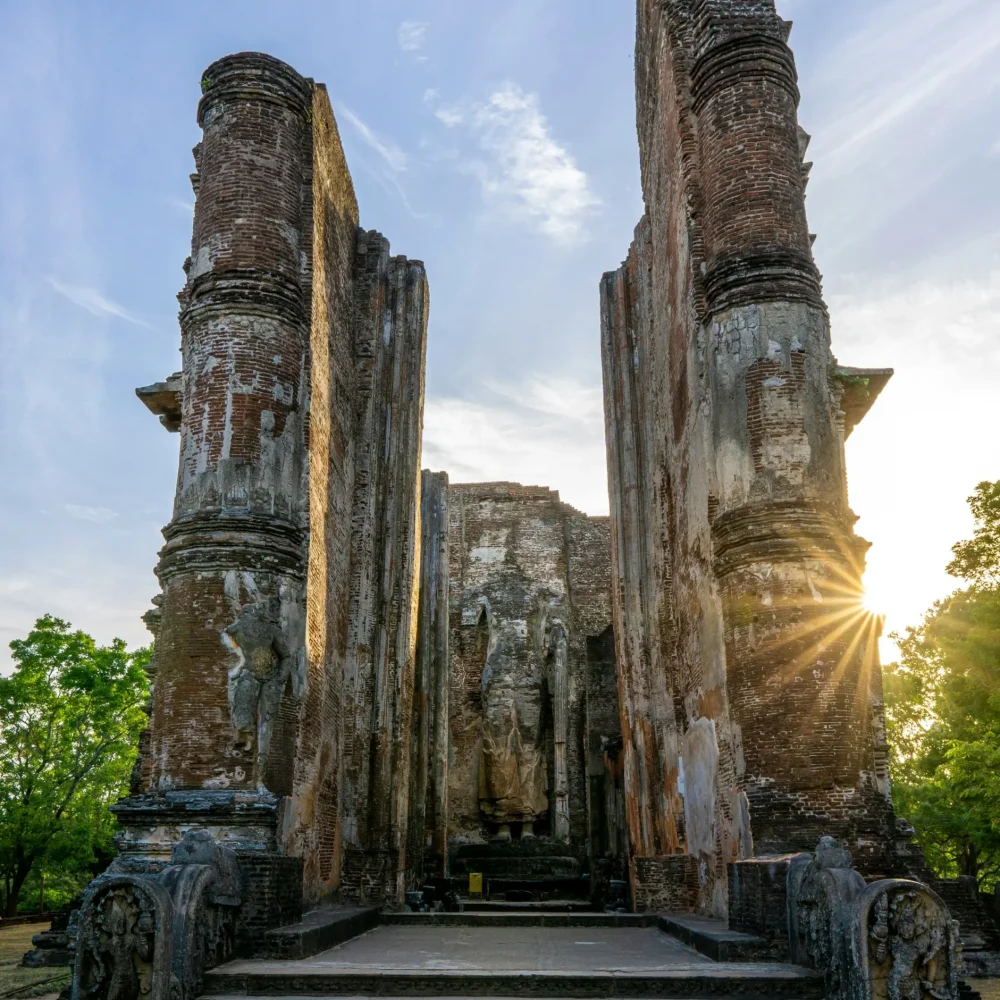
(213, 540)
(785, 531)
(740, 58)
(248, 290)
(202, 806)
(253, 76)
(778, 274)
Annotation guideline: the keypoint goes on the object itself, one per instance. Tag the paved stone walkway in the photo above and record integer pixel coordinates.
(501, 949)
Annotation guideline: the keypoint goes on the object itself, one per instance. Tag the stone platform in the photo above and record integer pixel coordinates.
(517, 871)
(539, 857)
(437, 959)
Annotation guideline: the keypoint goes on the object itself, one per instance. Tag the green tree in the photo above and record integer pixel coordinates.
(943, 708)
(70, 717)
(978, 559)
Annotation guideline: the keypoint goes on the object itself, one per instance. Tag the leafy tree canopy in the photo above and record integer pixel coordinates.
(70, 717)
(943, 708)
(978, 559)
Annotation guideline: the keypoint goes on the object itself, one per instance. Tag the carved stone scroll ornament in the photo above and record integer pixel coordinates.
(821, 894)
(151, 937)
(125, 941)
(891, 940)
(904, 944)
(258, 678)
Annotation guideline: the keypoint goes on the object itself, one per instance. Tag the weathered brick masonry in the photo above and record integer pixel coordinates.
(303, 710)
(516, 667)
(748, 672)
(363, 672)
(285, 640)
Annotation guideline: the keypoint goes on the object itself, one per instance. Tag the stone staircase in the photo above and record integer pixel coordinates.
(531, 953)
(977, 927)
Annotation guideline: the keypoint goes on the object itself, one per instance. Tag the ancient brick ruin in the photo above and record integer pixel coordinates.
(350, 692)
(748, 670)
(516, 711)
(286, 624)
(373, 686)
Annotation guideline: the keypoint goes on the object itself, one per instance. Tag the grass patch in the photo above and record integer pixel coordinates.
(14, 942)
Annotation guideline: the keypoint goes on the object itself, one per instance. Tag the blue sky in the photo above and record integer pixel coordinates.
(495, 142)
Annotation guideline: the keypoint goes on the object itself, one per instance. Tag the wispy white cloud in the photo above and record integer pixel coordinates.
(389, 163)
(525, 173)
(97, 515)
(96, 303)
(390, 154)
(546, 432)
(530, 173)
(411, 35)
(447, 116)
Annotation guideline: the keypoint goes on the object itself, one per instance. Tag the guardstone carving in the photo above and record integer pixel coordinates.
(904, 943)
(891, 940)
(124, 945)
(151, 937)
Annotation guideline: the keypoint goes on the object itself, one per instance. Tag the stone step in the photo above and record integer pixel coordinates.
(528, 906)
(422, 956)
(319, 930)
(715, 940)
(522, 917)
(748, 981)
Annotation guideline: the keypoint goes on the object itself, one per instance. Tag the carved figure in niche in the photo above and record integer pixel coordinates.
(117, 946)
(257, 680)
(512, 781)
(907, 943)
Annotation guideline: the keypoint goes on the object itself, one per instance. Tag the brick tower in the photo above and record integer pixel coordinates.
(285, 631)
(748, 670)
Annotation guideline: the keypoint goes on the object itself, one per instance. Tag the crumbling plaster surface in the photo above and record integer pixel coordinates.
(732, 543)
(528, 584)
(669, 626)
(286, 638)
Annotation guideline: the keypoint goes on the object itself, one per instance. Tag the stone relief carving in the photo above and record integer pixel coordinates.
(512, 780)
(124, 942)
(821, 892)
(258, 678)
(151, 937)
(904, 943)
(891, 940)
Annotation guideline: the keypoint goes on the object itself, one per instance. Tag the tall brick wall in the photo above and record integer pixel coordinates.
(507, 568)
(285, 646)
(748, 672)
(385, 556)
(429, 767)
(312, 817)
